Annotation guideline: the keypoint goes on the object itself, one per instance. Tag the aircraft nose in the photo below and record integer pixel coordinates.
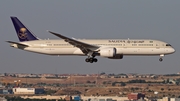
(173, 50)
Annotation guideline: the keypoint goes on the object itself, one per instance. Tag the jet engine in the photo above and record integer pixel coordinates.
(108, 52)
(117, 56)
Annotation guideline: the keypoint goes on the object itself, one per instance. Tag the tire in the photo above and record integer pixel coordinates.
(160, 59)
(95, 60)
(87, 60)
(91, 60)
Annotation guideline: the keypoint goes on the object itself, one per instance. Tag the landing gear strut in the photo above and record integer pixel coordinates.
(91, 60)
(161, 57)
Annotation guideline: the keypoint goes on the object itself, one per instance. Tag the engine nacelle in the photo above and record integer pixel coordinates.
(117, 56)
(108, 52)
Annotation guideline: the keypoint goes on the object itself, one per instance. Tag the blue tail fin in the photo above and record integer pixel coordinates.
(22, 31)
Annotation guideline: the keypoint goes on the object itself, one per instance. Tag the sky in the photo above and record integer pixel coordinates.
(91, 19)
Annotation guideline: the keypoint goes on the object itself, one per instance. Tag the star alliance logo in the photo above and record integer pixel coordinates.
(22, 33)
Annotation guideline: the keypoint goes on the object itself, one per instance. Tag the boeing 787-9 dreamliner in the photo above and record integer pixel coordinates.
(108, 48)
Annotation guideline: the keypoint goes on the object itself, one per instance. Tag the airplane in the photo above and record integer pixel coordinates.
(107, 48)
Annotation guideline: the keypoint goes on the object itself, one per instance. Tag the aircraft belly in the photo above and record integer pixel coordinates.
(54, 51)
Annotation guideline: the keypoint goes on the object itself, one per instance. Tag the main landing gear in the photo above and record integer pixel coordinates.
(91, 59)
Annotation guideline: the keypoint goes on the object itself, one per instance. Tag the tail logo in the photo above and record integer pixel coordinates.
(22, 33)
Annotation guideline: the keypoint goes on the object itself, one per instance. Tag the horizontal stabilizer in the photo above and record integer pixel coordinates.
(17, 43)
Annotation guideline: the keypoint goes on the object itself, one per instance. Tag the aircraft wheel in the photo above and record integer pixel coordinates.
(91, 60)
(87, 60)
(160, 59)
(95, 60)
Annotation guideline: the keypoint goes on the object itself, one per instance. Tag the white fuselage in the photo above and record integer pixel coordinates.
(123, 46)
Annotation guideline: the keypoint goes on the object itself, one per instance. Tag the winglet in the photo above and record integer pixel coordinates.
(51, 32)
(58, 35)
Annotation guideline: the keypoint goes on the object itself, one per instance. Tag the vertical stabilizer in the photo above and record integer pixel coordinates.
(22, 31)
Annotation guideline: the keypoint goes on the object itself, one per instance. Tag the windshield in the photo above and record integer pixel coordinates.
(168, 45)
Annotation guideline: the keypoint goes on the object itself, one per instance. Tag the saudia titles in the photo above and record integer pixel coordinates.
(126, 41)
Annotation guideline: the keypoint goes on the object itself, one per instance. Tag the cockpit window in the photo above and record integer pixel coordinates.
(168, 45)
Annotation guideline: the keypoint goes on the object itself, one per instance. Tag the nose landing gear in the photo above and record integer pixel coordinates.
(161, 57)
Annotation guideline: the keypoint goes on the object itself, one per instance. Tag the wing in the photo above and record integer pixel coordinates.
(85, 47)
